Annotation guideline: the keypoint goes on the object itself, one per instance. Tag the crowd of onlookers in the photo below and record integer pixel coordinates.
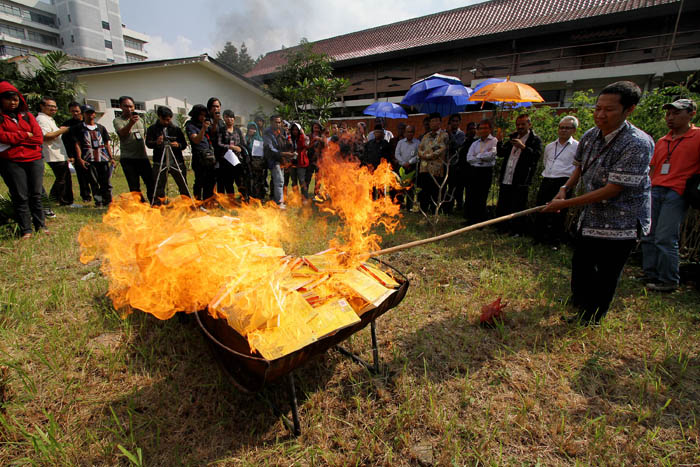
(628, 186)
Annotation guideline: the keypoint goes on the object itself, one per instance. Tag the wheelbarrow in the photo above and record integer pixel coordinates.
(251, 373)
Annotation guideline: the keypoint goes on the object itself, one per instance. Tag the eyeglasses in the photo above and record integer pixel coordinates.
(566, 128)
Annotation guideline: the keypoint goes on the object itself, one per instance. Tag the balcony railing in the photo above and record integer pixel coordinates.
(644, 49)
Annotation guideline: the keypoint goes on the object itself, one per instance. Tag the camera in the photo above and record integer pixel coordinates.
(168, 139)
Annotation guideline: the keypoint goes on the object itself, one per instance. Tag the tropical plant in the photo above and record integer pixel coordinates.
(649, 116)
(50, 79)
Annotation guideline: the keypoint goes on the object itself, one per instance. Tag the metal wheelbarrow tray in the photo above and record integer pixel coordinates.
(251, 373)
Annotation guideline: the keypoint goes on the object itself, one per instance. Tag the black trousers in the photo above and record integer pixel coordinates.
(100, 173)
(83, 177)
(309, 175)
(162, 177)
(24, 181)
(478, 184)
(549, 227)
(595, 271)
(453, 183)
(204, 179)
(227, 175)
(429, 192)
(136, 170)
(512, 198)
(62, 188)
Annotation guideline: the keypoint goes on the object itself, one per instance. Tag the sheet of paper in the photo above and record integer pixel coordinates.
(257, 148)
(232, 158)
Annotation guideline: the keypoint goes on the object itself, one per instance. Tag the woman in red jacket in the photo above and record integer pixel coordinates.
(21, 165)
(299, 142)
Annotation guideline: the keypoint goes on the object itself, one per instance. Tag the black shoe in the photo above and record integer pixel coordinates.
(48, 213)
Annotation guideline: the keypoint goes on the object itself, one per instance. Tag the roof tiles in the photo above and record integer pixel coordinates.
(492, 17)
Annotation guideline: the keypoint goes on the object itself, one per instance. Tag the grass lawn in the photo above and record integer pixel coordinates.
(79, 385)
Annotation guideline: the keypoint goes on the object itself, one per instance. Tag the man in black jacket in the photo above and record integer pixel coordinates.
(377, 149)
(157, 136)
(520, 154)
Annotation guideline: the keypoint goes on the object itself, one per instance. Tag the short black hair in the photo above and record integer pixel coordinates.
(211, 101)
(123, 98)
(435, 115)
(274, 117)
(229, 113)
(471, 125)
(378, 126)
(73, 104)
(486, 121)
(523, 116)
(164, 112)
(45, 100)
(457, 116)
(630, 94)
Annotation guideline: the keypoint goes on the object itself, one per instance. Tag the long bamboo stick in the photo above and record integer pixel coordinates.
(457, 232)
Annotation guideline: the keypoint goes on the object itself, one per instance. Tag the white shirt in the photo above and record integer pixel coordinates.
(513, 161)
(52, 151)
(407, 151)
(483, 153)
(559, 159)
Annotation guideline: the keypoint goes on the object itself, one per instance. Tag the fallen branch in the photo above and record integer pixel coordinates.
(457, 232)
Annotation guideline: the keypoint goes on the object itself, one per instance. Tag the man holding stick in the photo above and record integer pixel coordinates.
(612, 163)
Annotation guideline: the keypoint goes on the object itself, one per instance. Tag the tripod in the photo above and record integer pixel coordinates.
(166, 165)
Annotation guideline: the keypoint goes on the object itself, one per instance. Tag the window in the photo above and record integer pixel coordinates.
(133, 58)
(110, 60)
(10, 9)
(72, 39)
(108, 44)
(114, 103)
(13, 51)
(43, 19)
(12, 31)
(140, 106)
(105, 25)
(132, 44)
(43, 38)
(69, 19)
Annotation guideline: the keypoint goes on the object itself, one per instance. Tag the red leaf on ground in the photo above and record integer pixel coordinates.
(492, 310)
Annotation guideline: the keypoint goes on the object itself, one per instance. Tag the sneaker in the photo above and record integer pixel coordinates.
(662, 286)
(48, 213)
(282, 206)
(26, 236)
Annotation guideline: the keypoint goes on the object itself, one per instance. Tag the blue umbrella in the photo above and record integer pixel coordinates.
(421, 88)
(446, 100)
(386, 109)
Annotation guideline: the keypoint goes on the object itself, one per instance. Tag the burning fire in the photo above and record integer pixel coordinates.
(175, 258)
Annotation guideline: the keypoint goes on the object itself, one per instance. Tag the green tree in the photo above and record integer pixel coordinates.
(50, 79)
(306, 86)
(649, 115)
(239, 60)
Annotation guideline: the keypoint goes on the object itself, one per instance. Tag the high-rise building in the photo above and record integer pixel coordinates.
(81, 28)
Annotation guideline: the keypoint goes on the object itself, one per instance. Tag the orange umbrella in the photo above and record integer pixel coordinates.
(507, 91)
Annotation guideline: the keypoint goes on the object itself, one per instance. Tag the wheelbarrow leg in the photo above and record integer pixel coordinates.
(375, 349)
(293, 403)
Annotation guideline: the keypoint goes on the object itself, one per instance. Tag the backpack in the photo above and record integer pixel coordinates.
(692, 191)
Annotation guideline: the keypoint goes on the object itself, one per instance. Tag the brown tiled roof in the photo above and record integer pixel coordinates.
(492, 17)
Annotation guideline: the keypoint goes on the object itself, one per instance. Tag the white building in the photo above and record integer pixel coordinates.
(178, 83)
(82, 28)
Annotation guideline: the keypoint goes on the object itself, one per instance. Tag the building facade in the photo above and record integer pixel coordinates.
(177, 83)
(82, 28)
(557, 47)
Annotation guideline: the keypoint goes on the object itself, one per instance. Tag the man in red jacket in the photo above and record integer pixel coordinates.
(21, 165)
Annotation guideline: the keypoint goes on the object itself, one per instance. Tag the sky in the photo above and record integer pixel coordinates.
(180, 28)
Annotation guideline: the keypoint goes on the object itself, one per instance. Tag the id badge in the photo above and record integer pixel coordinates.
(95, 144)
(137, 135)
(665, 168)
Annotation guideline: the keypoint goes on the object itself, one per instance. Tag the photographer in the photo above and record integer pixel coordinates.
(231, 139)
(203, 158)
(276, 155)
(132, 150)
(157, 136)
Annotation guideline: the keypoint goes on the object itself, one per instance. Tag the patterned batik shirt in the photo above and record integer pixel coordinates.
(623, 159)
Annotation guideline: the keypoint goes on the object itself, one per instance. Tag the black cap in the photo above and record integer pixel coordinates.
(86, 108)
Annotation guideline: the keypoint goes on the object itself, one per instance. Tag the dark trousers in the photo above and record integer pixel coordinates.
(512, 198)
(227, 175)
(100, 173)
(136, 170)
(24, 180)
(459, 184)
(204, 179)
(83, 177)
(478, 184)
(453, 182)
(162, 179)
(257, 180)
(429, 192)
(62, 188)
(309, 175)
(549, 227)
(595, 271)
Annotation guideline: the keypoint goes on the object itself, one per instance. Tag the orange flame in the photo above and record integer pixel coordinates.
(176, 258)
